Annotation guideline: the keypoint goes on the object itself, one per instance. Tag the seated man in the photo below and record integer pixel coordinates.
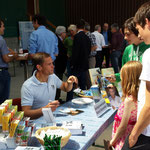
(39, 90)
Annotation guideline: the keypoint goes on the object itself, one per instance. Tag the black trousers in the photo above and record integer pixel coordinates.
(99, 59)
(106, 53)
(143, 143)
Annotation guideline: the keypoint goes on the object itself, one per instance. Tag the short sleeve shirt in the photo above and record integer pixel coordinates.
(37, 94)
(100, 42)
(93, 42)
(43, 40)
(145, 76)
(3, 51)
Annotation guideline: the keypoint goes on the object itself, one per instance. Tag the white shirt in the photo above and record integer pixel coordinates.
(115, 102)
(145, 76)
(99, 40)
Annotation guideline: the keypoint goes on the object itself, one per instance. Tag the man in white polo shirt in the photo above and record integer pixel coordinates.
(39, 90)
(139, 138)
(100, 42)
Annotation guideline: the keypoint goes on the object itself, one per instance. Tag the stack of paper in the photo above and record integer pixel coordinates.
(75, 127)
(27, 148)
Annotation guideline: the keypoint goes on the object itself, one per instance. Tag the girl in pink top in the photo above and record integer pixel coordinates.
(125, 118)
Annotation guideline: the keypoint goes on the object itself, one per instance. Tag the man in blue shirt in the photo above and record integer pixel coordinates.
(6, 56)
(39, 90)
(42, 39)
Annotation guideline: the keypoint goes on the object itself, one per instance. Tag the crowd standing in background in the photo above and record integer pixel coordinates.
(80, 51)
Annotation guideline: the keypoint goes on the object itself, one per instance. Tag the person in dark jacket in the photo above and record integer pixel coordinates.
(80, 54)
(61, 59)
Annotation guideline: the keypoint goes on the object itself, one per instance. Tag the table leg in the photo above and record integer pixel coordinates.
(26, 73)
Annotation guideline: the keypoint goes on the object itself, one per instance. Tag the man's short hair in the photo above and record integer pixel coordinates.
(38, 58)
(60, 29)
(87, 26)
(81, 24)
(130, 25)
(105, 24)
(142, 13)
(115, 26)
(97, 27)
(41, 20)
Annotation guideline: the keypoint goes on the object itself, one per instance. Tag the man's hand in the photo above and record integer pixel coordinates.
(11, 51)
(132, 140)
(53, 105)
(67, 86)
(72, 79)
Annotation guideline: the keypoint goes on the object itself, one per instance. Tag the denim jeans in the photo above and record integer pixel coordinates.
(4, 85)
(115, 56)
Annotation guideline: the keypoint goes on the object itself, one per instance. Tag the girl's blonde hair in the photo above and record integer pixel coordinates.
(130, 74)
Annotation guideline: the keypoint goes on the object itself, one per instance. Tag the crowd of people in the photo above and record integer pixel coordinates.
(79, 50)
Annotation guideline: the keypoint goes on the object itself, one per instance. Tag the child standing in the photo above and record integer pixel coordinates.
(125, 118)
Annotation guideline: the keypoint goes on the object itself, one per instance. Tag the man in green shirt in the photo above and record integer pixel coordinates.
(135, 50)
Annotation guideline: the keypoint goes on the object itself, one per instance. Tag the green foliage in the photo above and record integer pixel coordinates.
(52, 143)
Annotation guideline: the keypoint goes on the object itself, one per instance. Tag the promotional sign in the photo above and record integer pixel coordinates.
(101, 107)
